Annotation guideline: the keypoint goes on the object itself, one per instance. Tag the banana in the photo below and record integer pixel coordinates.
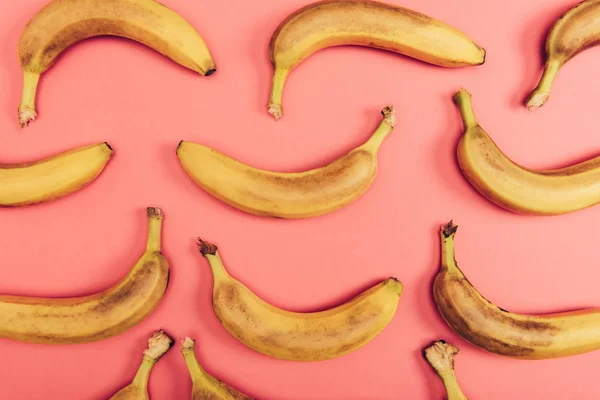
(364, 23)
(299, 336)
(53, 177)
(97, 316)
(287, 195)
(158, 345)
(440, 356)
(204, 386)
(498, 331)
(516, 188)
(63, 23)
(577, 30)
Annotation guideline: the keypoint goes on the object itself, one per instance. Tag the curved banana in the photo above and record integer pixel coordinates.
(97, 316)
(158, 345)
(63, 23)
(364, 23)
(498, 331)
(577, 30)
(516, 188)
(440, 356)
(299, 336)
(53, 177)
(287, 195)
(204, 386)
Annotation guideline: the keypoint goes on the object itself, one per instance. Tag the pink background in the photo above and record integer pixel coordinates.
(118, 91)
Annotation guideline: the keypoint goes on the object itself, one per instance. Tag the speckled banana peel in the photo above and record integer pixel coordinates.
(575, 31)
(440, 355)
(53, 177)
(287, 195)
(205, 386)
(158, 345)
(498, 331)
(516, 188)
(364, 23)
(299, 336)
(62, 23)
(97, 316)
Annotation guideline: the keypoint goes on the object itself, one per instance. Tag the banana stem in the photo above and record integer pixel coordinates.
(27, 111)
(195, 369)
(210, 252)
(383, 130)
(440, 355)
(155, 217)
(447, 234)
(279, 77)
(462, 99)
(143, 373)
(453, 389)
(540, 94)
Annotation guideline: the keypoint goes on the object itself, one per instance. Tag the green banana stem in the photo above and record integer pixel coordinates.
(383, 130)
(540, 94)
(196, 371)
(143, 373)
(155, 217)
(27, 107)
(279, 77)
(462, 99)
(450, 382)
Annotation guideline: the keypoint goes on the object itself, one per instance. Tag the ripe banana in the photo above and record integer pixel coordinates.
(364, 23)
(63, 23)
(97, 316)
(299, 336)
(516, 188)
(204, 386)
(496, 330)
(52, 178)
(440, 356)
(287, 195)
(158, 345)
(577, 30)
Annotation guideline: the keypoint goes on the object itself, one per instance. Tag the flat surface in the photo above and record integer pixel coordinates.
(141, 103)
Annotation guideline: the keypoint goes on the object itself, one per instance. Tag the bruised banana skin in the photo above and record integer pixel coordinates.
(158, 345)
(440, 355)
(516, 188)
(577, 30)
(97, 316)
(498, 331)
(205, 386)
(287, 195)
(54, 177)
(63, 23)
(296, 336)
(364, 23)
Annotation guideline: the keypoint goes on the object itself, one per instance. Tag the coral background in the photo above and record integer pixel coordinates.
(118, 91)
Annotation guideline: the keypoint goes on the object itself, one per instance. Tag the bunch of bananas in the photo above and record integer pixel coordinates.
(259, 325)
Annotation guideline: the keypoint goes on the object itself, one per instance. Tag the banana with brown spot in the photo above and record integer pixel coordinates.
(205, 386)
(440, 356)
(97, 316)
(63, 23)
(287, 195)
(498, 331)
(296, 336)
(158, 345)
(364, 23)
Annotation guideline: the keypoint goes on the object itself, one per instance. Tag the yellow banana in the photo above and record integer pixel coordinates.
(498, 331)
(204, 386)
(440, 356)
(364, 23)
(287, 195)
(516, 188)
(299, 336)
(97, 316)
(52, 178)
(63, 23)
(577, 30)
(158, 345)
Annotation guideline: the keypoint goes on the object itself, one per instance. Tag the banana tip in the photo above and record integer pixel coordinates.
(26, 115)
(275, 110)
(154, 212)
(158, 345)
(462, 93)
(210, 72)
(536, 100)
(179, 145)
(440, 355)
(449, 229)
(206, 247)
(187, 343)
(389, 115)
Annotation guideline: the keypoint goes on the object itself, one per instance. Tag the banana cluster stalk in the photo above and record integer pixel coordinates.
(575, 31)
(364, 23)
(498, 331)
(205, 386)
(53, 177)
(299, 336)
(63, 23)
(158, 345)
(97, 316)
(440, 356)
(287, 195)
(516, 188)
